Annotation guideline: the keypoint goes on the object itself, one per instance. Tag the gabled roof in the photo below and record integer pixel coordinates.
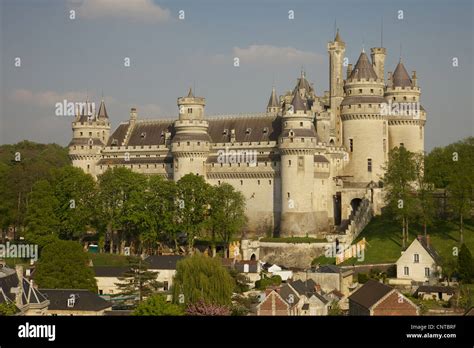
(370, 293)
(163, 261)
(304, 288)
(435, 288)
(400, 77)
(85, 300)
(9, 280)
(363, 69)
(425, 243)
(289, 295)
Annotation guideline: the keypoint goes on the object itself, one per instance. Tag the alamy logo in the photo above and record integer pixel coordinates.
(23, 251)
(37, 331)
(237, 156)
(400, 109)
(69, 108)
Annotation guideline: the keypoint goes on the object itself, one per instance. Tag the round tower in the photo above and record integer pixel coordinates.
(191, 142)
(406, 117)
(91, 132)
(297, 145)
(364, 127)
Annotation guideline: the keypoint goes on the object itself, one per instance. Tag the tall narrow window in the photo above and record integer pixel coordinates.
(406, 271)
(427, 272)
(416, 258)
(369, 165)
(384, 145)
(351, 145)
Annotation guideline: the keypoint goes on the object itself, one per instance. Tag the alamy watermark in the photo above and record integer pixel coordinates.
(21, 251)
(226, 156)
(69, 108)
(400, 109)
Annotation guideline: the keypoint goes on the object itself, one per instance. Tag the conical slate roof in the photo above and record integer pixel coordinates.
(190, 93)
(363, 69)
(102, 110)
(298, 103)
(273, 102)
(400, 77)
(338, 37)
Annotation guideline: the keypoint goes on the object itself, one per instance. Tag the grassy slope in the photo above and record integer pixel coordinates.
(384, 239)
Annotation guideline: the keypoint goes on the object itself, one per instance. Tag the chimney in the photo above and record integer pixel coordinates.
(318, 288)
(414, 79)
(133, 116)
(19, 292)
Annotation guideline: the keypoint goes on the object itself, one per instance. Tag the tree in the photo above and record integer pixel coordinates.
(42, 224)
(65, 265)
(425, 204)
(194, 199)
(465, 265)
(449, 268)
(75, 192)
(202, 278)
(138, 281)
(158, 306)
(115, 207)
(335, 309)
(242, 282)
(201, 308)
(7, 308)
(227, 213)
(400, 174)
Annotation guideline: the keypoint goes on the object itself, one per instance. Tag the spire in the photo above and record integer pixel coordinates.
(102, 110)
(363, 69)
(400, 76)
(273, 101)
(190, 93)
(338, 37)
(298, 103)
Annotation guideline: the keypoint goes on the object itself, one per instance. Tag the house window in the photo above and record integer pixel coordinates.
(289, 162)
(406, 271)
(190, 110)
(241, 182)
(300, 162)
(384, 145)
(416, 258)
(369, 165)
(101, 292)
(301, 124)
(427, 271)
(165, 286)
(360, 91)
(351, 145)
(246, 268)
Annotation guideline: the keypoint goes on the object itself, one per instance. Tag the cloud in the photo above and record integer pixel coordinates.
(149, 110)
(133, 10)
(268, 54)
(50, 98)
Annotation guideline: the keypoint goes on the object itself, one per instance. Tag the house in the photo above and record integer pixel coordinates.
(434, 292)
(339, 297)
(165, 265)
(329, 277)
(312, 300)
(375, 298)
(419, 262)
(16, 289)
(75, 302)
(107, 278)
(272, 304)
(274, 270)
(250, 268)
(290, 296)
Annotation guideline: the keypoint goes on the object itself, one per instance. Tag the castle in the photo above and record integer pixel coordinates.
(308, 166)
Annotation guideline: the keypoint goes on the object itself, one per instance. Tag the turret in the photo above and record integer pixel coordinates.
(90, 134)
(273, 105)
(364, 128)
(190, 145)
(404, 111)
(378, 55)
(297, 145)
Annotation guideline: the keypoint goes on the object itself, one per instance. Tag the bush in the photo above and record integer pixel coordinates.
(264, 283)
(362, 278)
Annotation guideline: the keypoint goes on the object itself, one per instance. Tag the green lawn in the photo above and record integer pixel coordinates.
(105, 259)
(384, 239)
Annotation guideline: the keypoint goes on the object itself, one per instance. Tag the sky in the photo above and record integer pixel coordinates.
(75, 59)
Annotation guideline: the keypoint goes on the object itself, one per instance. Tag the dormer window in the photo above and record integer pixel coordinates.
(265, 130)
(225, 132)
(114, 142)
(143, 135)
(248, 131)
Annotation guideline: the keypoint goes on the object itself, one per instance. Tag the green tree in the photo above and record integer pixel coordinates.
(400, 175)
(335, 309)
(193, 200)
(202, 278)
(424, 194)
(157, 305)
(449, 268)
(227, 213)
(8, 308)
(76, 195)
(465, 265)
(138, 280)
(64, 265)
(42, 223)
